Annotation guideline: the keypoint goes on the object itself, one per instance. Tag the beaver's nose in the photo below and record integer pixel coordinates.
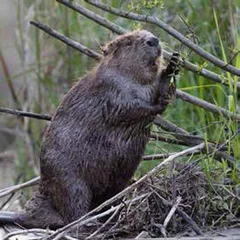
(153, 42)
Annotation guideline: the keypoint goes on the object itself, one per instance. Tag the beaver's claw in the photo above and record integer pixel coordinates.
(167, 85)
(173, 67)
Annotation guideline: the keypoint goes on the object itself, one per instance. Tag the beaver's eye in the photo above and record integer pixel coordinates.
(153, 42)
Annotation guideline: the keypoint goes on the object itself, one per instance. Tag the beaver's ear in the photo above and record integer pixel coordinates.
(107, 49)
(128, 42)
(105, 52)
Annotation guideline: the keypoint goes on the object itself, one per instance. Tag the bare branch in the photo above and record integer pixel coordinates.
(25, 114)
(68, 41)
(184, 215)
(190, 140)
(154, 20)
(163, 156)
(206, 105)
(4, 192)
(171, 213)
(104, 225)
(37, 231)
(202, 71)
(93, 16)
(9, 80)
(167, 55)
(157, 137)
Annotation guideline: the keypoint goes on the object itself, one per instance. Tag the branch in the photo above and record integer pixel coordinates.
(4, 192)
(163, 156)
(167, 55)
(110, 219)
(202, 71)
(36, 231)
(206, 105)
(25, 114)
(60, 232)
(190, 140)
(184, 215)
(157, 137)
(68, 41)
(9, 81)
(170, 214)
(154, 20)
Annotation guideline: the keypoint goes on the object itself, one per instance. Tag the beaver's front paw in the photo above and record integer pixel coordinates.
(173, 67)
(167, 86)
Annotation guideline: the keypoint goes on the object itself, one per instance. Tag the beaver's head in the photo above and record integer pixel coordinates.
(136, 54)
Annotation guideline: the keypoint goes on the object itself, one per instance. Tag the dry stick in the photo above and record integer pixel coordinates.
(183, 214)
(167, 55)
(87, 51)
(202, 71)
(184, 136)
(25, 114)
(35, 231)
(154, 136)
(104, 225)
(67, 41)
(172, 211)
(9, 81)
(15, 188)
(154, 20)
(60, 232)
(162, 156)
(206, 105)
(191, 138)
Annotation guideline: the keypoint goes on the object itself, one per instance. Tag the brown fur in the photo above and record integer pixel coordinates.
(98, 134)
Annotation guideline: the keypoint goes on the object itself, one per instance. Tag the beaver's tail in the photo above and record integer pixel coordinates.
(10, 217)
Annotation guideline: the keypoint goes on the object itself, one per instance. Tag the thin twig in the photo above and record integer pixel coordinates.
(162, 156)
(4, 192)
(60, 232)
(202, 71)
(93, 16)
(190, 221)
(104, 225)
(171, 212)
(157, 137)
(167, 55)
(206, 105)
(184, 136)
(9, 81)
(25, 114)
(6, 201)
(66, 40)
(36, 231)
(154, 20)
(183, 214)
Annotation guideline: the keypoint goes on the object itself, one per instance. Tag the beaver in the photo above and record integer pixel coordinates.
(99, 132)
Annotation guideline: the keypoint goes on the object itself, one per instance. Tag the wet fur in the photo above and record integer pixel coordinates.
(98, 134)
